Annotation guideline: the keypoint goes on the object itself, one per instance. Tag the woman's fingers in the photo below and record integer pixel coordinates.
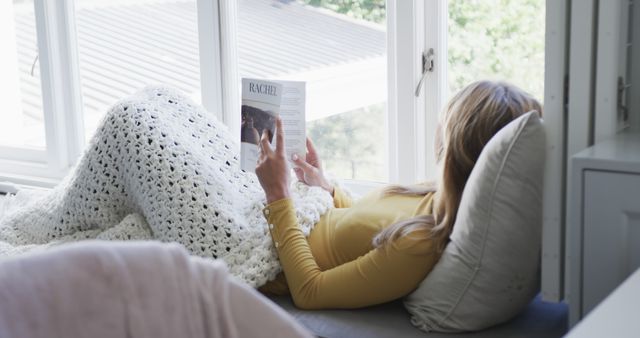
(265, 146)
(312, 156)
(302, 164)
(299, 174)
(273, 169)
(311, 148)
(279, 136)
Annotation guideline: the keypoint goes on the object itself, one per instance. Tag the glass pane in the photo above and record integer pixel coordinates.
(497, 39)
(339, 48)
(124, 46)
(21, 120)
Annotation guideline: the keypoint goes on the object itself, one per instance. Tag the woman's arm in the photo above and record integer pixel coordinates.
(382, 275)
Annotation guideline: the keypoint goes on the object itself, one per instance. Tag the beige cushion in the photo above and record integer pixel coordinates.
(489, 271)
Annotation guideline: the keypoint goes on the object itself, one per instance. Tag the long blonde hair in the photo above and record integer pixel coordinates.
(471, 118)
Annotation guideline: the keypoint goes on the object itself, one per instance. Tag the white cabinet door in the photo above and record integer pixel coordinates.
(611, 242)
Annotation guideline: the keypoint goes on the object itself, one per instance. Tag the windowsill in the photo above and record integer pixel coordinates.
(9, 183)
(26, 174)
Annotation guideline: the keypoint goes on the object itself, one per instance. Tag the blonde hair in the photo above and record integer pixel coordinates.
(471, 118)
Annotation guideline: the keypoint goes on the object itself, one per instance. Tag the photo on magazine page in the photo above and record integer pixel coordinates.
(260, 107)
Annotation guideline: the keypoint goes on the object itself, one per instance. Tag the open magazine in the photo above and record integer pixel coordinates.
(262, 102)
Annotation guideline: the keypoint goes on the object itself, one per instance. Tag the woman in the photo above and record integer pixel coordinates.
(380, 248)
(157, 168)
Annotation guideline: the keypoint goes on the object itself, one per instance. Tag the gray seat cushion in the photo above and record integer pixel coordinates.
(539, 319)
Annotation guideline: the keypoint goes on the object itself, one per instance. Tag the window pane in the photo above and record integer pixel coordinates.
(21, 120)
(497, 39)
(338, 48)
(126, 45)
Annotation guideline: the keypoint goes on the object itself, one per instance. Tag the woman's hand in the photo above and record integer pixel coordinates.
(272, 169)
(310, 171)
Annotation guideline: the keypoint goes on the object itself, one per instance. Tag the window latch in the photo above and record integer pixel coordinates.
(427, 66)
(35, 60)
(623, 109)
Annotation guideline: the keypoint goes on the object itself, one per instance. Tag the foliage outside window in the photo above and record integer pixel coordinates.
(497, 39)
(369, 10)
(352, 144)
(488, 39)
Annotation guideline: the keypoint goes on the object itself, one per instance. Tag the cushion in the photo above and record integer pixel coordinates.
(538, 319)
(489, 270)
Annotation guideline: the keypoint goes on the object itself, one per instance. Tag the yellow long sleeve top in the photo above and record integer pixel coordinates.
(337, 265)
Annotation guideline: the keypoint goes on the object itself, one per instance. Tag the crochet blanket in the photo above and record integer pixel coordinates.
(160, 167)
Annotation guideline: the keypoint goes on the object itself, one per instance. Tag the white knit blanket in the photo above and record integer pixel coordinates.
(160, 167)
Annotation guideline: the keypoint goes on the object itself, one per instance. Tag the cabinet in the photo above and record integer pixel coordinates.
(603, 233)
(616, 316)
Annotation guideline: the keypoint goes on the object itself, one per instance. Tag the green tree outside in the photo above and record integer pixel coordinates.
(352, 144)
(370, 10)
(497, 39)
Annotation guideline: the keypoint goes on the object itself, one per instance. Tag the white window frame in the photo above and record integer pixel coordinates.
(217, 21)
(413, 27)
(62, 97)
(62, 105)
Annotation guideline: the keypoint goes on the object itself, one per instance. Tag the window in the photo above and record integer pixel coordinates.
(125, 46)
(505, 44)
(339, 49)
(361, 59)
(21, 121)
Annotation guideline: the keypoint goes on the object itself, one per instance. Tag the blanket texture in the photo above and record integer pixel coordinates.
(133, 289)
(161, 167)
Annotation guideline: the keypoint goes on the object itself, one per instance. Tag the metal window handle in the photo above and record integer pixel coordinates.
(33, 65)
(427, 66)
(35, 60)
(623, 109)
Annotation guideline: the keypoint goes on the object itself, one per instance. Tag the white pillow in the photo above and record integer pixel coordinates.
(489, 271)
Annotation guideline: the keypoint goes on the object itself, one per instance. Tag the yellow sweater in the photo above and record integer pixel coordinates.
(337, 265)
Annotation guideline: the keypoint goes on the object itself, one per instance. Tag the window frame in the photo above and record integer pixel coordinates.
(412, 27)
(217, 20)
(61, 98)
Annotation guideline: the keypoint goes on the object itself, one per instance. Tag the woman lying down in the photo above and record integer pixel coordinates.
(159, 167)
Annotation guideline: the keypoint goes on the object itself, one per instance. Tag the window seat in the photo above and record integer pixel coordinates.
(539, 319)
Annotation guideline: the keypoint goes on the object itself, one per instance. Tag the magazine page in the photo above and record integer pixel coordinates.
(292, 113)
(260, 106)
